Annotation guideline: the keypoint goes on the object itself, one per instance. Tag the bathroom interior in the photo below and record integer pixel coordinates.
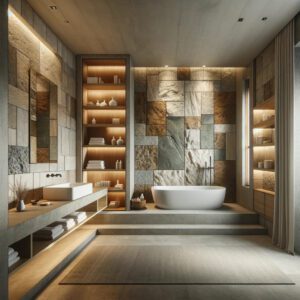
(149, 150)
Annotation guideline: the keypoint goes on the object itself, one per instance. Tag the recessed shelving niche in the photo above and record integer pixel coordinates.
(103, 78)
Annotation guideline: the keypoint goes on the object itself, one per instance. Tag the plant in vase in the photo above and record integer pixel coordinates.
(19, 191)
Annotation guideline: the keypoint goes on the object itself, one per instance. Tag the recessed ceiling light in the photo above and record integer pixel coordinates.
(264, 18)
(240, 19)
(53, 7)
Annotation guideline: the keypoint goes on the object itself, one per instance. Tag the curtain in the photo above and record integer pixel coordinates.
(283, 229)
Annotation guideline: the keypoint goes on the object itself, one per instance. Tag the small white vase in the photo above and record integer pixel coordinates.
(21, 205)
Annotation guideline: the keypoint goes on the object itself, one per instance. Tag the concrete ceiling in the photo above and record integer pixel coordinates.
(169, 32)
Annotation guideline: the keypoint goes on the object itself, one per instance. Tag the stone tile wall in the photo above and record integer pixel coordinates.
(56, 62)
(184, 117)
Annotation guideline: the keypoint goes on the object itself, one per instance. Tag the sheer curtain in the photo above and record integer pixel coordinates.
(283, 230)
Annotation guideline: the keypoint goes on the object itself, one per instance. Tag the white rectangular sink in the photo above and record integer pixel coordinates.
(67, 191)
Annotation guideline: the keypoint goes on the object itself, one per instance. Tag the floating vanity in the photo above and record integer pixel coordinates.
(46, 258)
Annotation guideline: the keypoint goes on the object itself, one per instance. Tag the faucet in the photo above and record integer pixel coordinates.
(210, 168)
(53, 175)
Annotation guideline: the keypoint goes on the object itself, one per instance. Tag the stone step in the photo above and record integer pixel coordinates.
(181, 229)
(182, 217)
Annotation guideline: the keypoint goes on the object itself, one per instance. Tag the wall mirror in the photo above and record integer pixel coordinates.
(43, 119)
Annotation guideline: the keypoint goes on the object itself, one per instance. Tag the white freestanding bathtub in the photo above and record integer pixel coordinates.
(188, 197)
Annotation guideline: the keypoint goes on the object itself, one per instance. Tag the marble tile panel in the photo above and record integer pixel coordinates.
(33, 150)
(207, 102)
(224, 128)
(140, 80)
(145, 157)
(192, 139)
(18, 160)
(146, 140)
(156, 130)
(194, 166)
(207, 136)
(169, 177)
(22, 127)
(70, 163)
(230, 146)
(269, 181)
(18, 97)
(171, 90)
(192, 122)
(51, 39)
(156, 113)
(140, 129)
(202, 86)
(193, 104)
(23, 67)
(212, 73)
(12, 137)
(143, 177)
(183, 74)
(220, 154)
(220, 141)
(39, 26)
(152, 88)
(228, 82)
(168, 74)
(12, 116)
(140, 107)
(225, 107)
(196, 73)
(12, 65)
(175, 108)
(207, 119)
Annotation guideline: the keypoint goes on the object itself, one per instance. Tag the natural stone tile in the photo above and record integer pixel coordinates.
(202, 86)
(17, 5)
(39, 167)
(212, 73)
(225, 175)
(228, 82)
(53, 128)
(168, 74)
(27, 12)
(146, 140)
(12, 137)
(33, 150)
(192, 122)
(194, 166)
(196, 73)
(12, 116)
(269, 181)
(51, 39)
(207, 119)
(230, 146)
(156, 130)
(140, 107)
(18, 160)
(223, 128)
(43, 155)
(220, 141)
(22, 127)
(140, 129)
(220, 154)
(70, 163)
(183, 74)
(170, 154)
(207, 102)
(18, 97)
(12, 66)
(65, 144)
(225, 107)
(207, 137)
(192, 104)
(23, 66)
(160, 90)
(156, 113)
(39, 26)
(269, 89)
(192, 139)
(169, 177)
(145, 157)
(143, 177)
(140, 79)
(175, 108)
(50, 65)
(153, 71)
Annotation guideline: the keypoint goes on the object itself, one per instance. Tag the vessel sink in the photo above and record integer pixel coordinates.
(67, 191)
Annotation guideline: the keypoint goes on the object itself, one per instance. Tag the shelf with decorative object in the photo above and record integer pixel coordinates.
(264, 170)
(105, 109)
(269, 123)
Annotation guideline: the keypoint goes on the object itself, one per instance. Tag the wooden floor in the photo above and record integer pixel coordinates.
(289, 265)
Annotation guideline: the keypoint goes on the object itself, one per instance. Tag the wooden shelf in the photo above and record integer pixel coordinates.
(264, 145)
(113, 190)
(94, 107)
(103, 125)
(263, 191)
(104, 170)
(121, 208)
(104, 87)
(104, 146)
(267, 104)
(270, 123)
(264, 170)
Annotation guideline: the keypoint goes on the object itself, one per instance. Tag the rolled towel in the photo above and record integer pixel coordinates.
(13, 261)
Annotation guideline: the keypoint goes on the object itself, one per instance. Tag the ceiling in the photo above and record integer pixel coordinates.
(169, 32)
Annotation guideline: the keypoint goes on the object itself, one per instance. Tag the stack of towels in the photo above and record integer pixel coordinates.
(95, 164)
(97, 141)
(13, 256)
(67, 224)
(49, 233)
(77, 216)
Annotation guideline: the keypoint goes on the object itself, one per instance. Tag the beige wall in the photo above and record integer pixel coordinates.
(34, 45)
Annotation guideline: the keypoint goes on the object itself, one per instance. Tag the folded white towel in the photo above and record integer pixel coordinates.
(10, 250)
(78, 216)
(13, 261)
(48, 231)
(66, 223)
(13, 255)
(49, 237)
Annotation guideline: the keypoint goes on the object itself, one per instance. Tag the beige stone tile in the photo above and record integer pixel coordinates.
(18, 97)
(146, 157)
(12, 66)
(22, 128)
(156, 113)
(27, 12)
(12, 137)
(12, 116)
(33, 150)
(23, 67)
(230, 146)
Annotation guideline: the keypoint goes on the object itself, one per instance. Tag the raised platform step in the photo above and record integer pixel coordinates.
(180, 229)
(228, 214)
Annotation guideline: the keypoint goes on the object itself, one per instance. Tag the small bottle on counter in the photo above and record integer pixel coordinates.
(120, 165)
(117, 165)
(113, 141)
